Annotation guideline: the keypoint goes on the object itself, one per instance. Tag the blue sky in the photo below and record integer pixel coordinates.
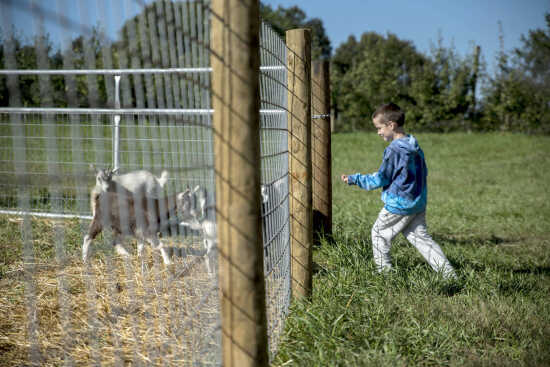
(460, 22)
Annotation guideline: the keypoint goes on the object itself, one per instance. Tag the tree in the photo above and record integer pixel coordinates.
(432, 89)
(283, 19)
(26, 57)
(517, 97)
(436, 90)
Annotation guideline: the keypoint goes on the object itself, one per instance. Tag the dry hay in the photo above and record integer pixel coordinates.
(110, 312)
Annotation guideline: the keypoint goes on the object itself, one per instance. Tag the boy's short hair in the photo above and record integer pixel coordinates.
(390, 112)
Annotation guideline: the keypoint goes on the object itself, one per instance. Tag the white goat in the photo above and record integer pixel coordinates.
(272, 196)
(133, 214)
(275, 189)
(141, 181)
(197, 220)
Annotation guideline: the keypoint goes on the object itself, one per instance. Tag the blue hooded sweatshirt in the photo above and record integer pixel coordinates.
(402, 177)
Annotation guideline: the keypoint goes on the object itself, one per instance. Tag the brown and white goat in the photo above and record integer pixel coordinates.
(132, 214)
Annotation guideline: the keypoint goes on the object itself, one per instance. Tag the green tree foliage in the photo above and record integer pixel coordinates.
(282, 19)
(517, 98)
(25, 56)
(55, 90)
(435, 91)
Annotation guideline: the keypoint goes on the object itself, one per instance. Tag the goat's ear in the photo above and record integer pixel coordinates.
(196, 189)
(115, 171)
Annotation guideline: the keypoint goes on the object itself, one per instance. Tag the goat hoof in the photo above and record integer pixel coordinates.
(140, 250)
(121, 251)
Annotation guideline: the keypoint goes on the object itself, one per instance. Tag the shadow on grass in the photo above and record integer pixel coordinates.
(536, 270)
(490, 240)
(318, 269)
(451, 288)
(322, 239)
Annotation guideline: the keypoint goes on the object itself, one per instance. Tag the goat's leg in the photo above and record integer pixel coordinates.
(208, 246)
(140, 247)
(207, 262)
(117, 243)
(93, 231)
(85, 247)
(155, 242)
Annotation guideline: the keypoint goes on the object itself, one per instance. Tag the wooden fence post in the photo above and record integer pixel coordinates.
(298, 42)
(235, 62)
(321, 150)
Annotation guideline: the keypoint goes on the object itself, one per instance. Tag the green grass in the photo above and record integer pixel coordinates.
(489, 209)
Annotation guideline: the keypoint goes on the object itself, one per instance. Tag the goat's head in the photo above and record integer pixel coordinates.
(192, 203)
(104, 178)
(185, 204)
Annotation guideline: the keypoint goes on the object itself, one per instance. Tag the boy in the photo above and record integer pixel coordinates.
(402, 177)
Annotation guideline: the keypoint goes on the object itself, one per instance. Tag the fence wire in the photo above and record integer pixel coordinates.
(274, 178)
(125, 85)
(120, 84)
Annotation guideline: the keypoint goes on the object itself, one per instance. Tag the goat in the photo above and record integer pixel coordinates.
(276, 189)
(198, 221)
(272, 197)
(131, 214)
(139, 183)
(135, 181)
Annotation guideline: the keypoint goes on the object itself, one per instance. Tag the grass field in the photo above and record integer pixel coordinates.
(489, 209)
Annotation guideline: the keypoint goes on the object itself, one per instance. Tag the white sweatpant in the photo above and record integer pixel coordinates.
(413, 227)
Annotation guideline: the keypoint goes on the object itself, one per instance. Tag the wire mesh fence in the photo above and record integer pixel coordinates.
(122, 85)
(118, 85)
(274, 179)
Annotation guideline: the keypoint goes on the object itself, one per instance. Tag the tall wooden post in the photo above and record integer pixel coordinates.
(235, 62)
(298, 42)
(321, 152)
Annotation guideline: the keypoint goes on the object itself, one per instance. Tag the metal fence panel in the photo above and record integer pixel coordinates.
(125, 85)
(113, 84)
(275, 192)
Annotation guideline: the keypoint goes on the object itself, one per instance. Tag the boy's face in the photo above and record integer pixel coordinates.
(385, 131)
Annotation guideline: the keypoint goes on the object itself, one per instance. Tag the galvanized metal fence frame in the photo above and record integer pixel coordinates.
(277, 147)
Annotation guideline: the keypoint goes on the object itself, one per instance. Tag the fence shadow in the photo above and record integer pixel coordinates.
(537, 270)
(490, 240)
(318, 269)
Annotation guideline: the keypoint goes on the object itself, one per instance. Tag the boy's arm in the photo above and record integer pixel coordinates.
(374, 180)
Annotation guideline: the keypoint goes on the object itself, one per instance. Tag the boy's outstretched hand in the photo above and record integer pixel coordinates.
(344, 178)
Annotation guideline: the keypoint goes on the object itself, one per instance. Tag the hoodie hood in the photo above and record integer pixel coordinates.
(408, 144)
